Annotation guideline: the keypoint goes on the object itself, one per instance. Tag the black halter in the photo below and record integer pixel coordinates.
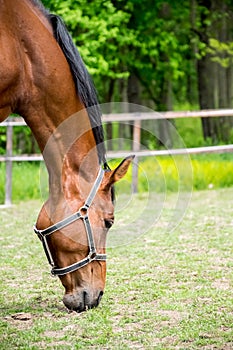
(82, 213)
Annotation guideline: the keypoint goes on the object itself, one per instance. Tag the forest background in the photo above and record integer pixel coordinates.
(165, 55)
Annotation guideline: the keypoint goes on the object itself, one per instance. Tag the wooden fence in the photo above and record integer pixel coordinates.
(135, 119)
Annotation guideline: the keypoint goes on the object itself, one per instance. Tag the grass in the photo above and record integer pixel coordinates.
(168, 286)
(159, 174)
(171, 174)
(26, 181)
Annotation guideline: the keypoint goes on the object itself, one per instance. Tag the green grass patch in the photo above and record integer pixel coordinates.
(26, 181)
(181, 173)
(156, 174)
(165, 290)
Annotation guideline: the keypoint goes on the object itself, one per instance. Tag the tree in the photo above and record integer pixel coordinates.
(213, 23)
(157, 53)
(101, 34)
(156, 56)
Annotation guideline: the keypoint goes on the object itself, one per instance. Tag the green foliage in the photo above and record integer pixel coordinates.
(157, 55)
(2, 140)
(190, 130)
(119, 38)
(23, 140)
(100, 32)
(221, 52)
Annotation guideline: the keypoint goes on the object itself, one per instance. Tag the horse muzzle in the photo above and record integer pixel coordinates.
(82, 300)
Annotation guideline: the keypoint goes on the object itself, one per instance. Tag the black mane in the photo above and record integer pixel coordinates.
(83, 82)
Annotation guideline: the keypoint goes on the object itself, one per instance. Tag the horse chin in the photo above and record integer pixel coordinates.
(82, 300)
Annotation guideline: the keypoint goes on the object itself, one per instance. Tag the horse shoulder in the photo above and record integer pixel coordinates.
(9, 73)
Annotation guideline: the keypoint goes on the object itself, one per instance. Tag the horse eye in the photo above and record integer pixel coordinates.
(108, 222)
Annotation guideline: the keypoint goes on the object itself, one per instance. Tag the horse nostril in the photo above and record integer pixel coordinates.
(100, 297)
(85, 300)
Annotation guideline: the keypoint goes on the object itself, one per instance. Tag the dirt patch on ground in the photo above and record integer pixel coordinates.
(172, 317)
(20, 320)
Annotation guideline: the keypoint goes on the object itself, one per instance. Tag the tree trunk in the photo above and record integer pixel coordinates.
(124, 132)
(214, 82)
(134, 97)
(165, 133)
(224, 27)
(205, 69)
(165, 98)
(192, 90)
(109, 129)
(205, 74)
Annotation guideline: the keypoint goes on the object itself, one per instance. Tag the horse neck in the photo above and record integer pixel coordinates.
(48, 101)
(70, 155)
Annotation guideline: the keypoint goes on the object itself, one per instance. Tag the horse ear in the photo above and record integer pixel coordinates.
(121, 170)
(118, 173)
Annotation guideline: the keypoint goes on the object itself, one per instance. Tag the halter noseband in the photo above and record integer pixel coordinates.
(82, 213)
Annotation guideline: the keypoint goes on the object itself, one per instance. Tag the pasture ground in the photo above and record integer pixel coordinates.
(165, 290)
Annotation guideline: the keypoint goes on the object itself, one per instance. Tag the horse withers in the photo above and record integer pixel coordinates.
(43, 79)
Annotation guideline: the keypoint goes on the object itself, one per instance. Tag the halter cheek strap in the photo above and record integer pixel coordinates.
(82, 214)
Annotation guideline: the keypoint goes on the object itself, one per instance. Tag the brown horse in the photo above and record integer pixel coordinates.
(43, 78)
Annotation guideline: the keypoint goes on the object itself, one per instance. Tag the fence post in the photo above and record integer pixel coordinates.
(9, 147)
(136, 147)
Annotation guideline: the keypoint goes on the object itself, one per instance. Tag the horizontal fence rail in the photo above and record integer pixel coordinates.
(135, 119)
(122, 117)
(173, 152)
